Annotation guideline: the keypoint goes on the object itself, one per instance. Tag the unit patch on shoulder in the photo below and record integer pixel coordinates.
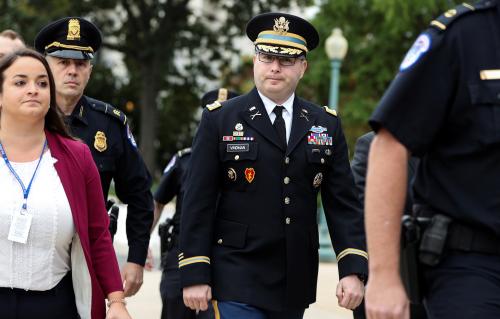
(417, 50)
(330, 111)
(170, 164)
(130, 137)
(213, 106)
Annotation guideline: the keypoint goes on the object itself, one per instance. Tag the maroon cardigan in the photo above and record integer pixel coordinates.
(81, 183)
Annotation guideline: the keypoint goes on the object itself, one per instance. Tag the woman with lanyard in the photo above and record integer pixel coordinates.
(56, 256)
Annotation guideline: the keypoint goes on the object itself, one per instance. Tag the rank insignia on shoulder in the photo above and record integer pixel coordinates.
(100, 143)
(330, 111)
(447, 18)
(184, 151)
(213, 106)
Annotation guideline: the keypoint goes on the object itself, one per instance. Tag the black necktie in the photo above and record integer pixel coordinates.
(279, 124)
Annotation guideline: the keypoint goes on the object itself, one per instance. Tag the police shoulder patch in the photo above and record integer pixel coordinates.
(183, 152)
(417, 50)
(109, 110)
(330, 111)
(447, 18)
(213, 106)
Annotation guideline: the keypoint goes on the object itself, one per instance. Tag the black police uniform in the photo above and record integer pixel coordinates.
(105, 130)
(173, 183)
(444, 107)
(249, 225)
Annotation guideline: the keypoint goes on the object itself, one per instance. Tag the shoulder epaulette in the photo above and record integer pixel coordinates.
(447, 18)
(183, 152)
(213, 106)
(330, 111)
(109, 110)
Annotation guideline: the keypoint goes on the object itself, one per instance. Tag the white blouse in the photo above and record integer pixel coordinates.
(45, 258)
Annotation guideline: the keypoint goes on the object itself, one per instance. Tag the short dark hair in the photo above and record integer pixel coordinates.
(53, 118)
(11, 34)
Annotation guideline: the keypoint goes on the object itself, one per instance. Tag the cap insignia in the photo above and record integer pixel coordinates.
(281, 25)
(73, 30)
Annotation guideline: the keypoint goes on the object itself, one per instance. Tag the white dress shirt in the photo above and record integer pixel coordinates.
(287, 112)
(45, 258)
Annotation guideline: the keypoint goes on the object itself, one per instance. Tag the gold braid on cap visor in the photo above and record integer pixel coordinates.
(67, 46)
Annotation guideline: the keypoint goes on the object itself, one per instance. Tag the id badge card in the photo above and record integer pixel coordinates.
(20, 227)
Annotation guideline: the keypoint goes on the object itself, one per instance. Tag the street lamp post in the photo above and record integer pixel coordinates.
(336, 49)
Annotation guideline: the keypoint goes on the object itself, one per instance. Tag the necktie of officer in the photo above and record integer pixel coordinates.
(279, 124)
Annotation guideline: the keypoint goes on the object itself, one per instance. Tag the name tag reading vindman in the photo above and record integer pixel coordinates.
(231, 148)
(20, 227)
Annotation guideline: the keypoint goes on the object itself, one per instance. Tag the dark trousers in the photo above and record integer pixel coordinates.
(233, 310)
(465, 286)
(174, 308)
(58, 302)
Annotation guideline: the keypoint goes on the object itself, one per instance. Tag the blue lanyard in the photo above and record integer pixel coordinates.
(26, 191)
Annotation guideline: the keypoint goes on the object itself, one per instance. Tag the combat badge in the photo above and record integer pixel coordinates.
(100, 141)
(317, 180)
(238, 127)
(249, 174)
(318, 129)
(231, 174)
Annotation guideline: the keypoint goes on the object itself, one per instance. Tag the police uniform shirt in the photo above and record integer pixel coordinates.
(444, 106)
(173, 183)
(249, 220)
(105, 130)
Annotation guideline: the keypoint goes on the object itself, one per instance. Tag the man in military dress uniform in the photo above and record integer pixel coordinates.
(443, 106)
(173, 184)
(249, 234)
(69, 44)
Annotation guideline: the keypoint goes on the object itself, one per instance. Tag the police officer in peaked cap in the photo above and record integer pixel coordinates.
(173, 184)
(249, 234)
(69, 45)
(443, 107)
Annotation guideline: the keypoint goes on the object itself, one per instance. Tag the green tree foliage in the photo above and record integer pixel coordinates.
(379, 33)
(171, 48)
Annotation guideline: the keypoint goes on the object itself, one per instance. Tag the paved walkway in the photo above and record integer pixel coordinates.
(146, 304)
